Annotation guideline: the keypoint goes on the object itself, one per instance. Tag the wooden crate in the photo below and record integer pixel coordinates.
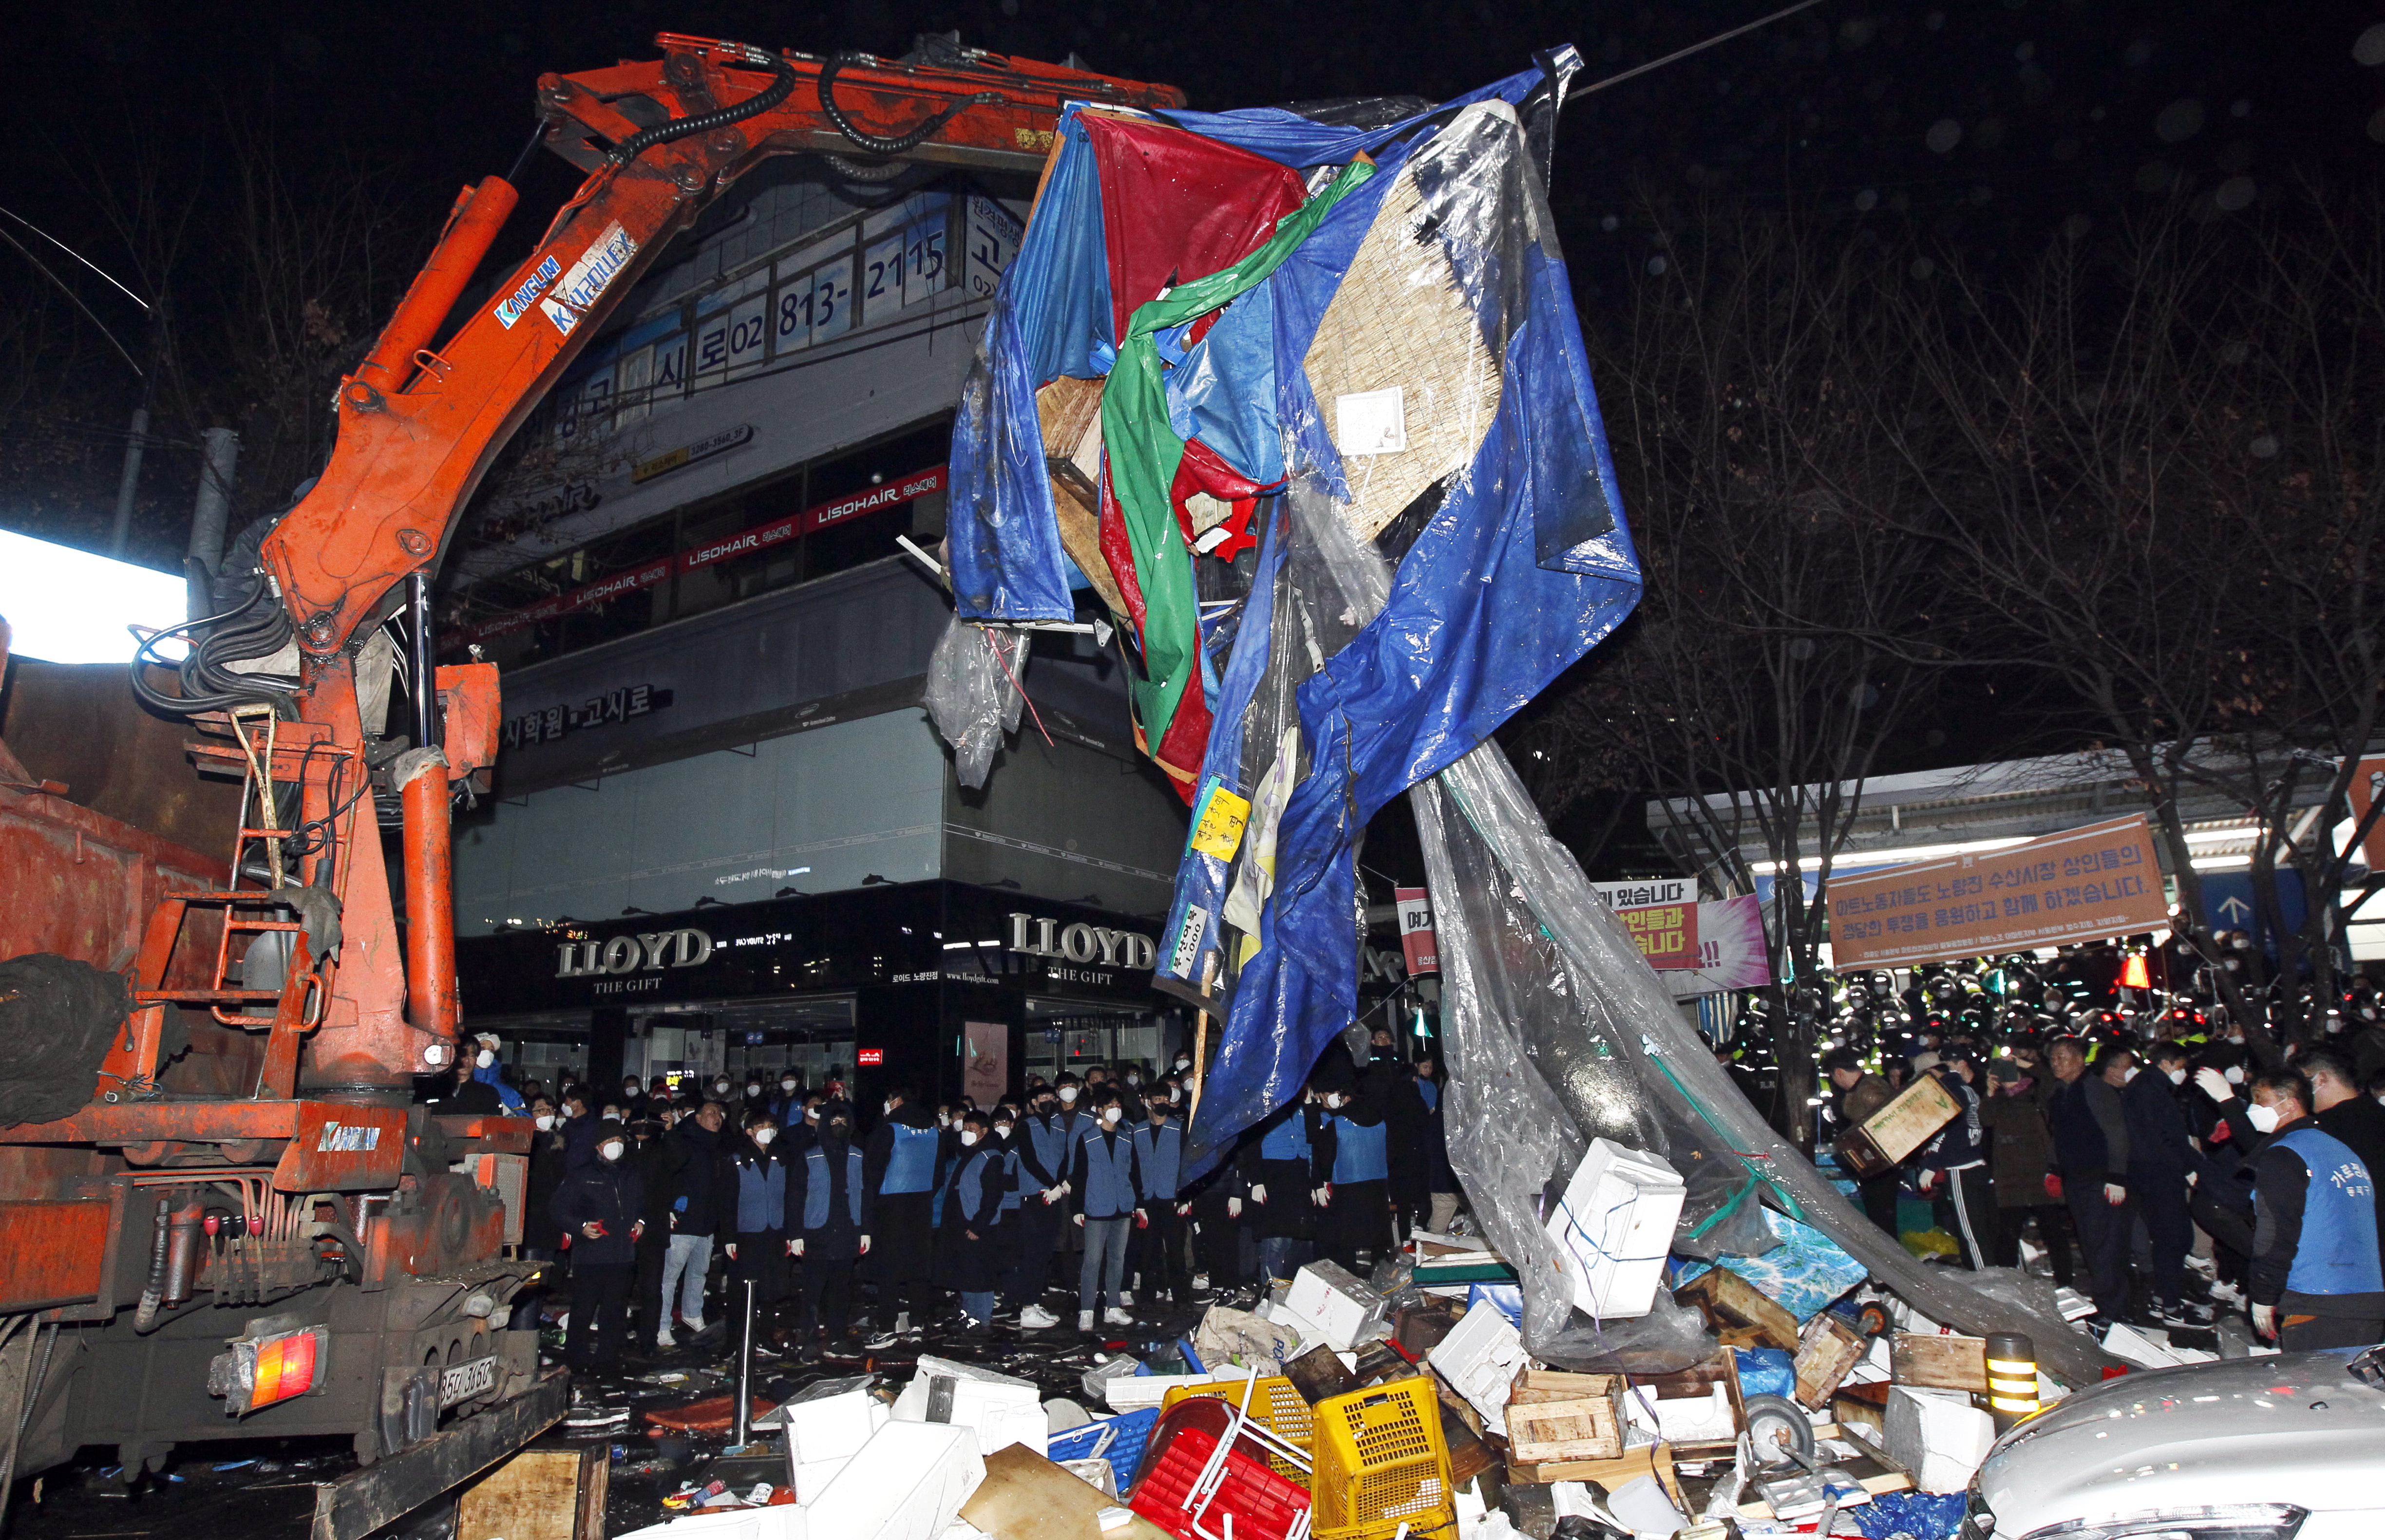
(1881, 1141)
(1938, 1363)
(1827, 1349)
(1553, 1417)
(539, 1495)
(1070, 412)
(1729, 1300)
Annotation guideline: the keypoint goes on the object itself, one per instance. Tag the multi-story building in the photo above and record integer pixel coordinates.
(724, 836)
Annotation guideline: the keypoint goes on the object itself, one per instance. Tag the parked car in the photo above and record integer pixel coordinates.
(2283, 1447)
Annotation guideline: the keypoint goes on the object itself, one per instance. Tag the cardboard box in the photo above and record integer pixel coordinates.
(830, 1420)
(907, 1482)
(1336, 1303)
(1614, 1229)
(1938, 1436)
(1882, 1140)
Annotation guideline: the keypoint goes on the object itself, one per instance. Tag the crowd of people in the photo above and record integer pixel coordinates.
(862, 1227)
(2121, 1151)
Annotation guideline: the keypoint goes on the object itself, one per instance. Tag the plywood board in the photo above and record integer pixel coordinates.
(1827, 1350)
(537, 1495)
(1025, 1496)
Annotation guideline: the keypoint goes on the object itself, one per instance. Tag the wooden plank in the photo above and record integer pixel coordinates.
(1888, 1472)
(359, 1503)
(1938, 1363)
(1554, 1385)
(1556, 1417)
(1729, 1299)
(1025, 1496)
(1655, 1459)
(1827, 1350)
(1070, 414)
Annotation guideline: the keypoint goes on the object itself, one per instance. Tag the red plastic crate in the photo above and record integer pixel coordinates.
(1264, 1505)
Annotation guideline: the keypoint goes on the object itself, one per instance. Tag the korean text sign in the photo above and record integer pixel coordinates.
(2099, 880)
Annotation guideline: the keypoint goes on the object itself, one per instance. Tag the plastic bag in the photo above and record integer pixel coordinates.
(975, 692)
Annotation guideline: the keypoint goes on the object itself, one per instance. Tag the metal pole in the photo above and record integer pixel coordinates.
(129, 484)
(208, 517)
(744, 1423)
(420, 669)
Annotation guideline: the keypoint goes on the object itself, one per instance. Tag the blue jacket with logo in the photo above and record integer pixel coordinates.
(2315, 1227)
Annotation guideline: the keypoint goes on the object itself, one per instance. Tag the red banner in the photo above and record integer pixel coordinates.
(1666, 933)
(1420, 944)
(762, 537)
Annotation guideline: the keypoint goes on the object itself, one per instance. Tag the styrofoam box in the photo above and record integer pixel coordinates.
(811, 1478)
(1002, 1414)
(907, 1482)
(1938, 1436)
(1335, 1301)
(1480, 1358)
(832, 1420)
(1614, 1229)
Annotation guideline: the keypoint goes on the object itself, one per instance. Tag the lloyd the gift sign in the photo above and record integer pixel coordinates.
(1097, 945)
(651, 952)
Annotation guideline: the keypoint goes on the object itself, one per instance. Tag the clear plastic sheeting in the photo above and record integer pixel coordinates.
(976, 689)
(1480, 798)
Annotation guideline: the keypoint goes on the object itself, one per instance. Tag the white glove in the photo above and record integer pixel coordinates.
(729, 1250)
(1234, 1207)
(2265, 1320)
(1320, 1196)
(796, 1247)
(865, 1246)
(1051, 1196)
(2190, 1177)
(2115, 1194)
(1081, 1221)
(2213, 1084)
(1258, 1192)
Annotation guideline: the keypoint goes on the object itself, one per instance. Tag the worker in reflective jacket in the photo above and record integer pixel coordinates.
(2316, 1279)
(1107, 1181)
(899, 1167)
(828, 1217)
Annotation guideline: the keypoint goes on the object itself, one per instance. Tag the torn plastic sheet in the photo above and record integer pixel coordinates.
(1481, 792)
(976, 683)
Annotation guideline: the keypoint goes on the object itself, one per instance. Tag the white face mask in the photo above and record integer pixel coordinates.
(887, 1106)
(545, 1121)
(1134, 1080)
(786, 1085)
(631, 1088)
(2178, 1078)
(1109, 1114)
(484, 1058)
(968, 1137)
(1067, 1095)
(764, 1136)
(1182, 1063)
(721, 1087)
(2235, 1074)
(611, 1149)
(1002, 1130)
(754, 1089)
(2129, 1074)
(943, 1120)
(1335, 1102)
(2262, 1119)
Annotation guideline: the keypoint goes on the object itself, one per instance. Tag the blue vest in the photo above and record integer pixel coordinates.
(1287, 1140)
(971, 1177)
(912, 1165)
(1359, 1153)
(1109, 1174)
(1430, 1091)
(1162, 1153)
(2338, 1250)
(761, 1195)
(815, 1192)
(1049, 1137)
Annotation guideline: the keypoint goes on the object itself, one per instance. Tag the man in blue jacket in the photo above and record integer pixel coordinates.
(489, 1073)
(1159, 1246)
(2315, 1280)
(899, 1167)
(1106, 1181)
(828, 1214)
(598, 1206)
(1045, 1141)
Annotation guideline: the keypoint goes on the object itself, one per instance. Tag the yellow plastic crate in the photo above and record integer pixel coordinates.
(1381, 1461)
(1276, 1405)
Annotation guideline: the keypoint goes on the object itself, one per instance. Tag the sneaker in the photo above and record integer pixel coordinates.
(2226, 1294)
(663, 1339)
(1200, 1283)
(1117, 1317)
(1035, 1318)
(881, 1342)
(1084, 1321)
(1125, 1297)
(694, 1324)
(2192, 1317)
(902, 1322)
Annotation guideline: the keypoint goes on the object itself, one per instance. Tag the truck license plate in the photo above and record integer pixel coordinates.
(466, 1380)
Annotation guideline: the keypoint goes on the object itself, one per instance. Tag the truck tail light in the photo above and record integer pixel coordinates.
(265, 1369)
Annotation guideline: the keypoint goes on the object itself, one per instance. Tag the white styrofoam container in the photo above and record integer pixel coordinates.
(1335, 1302)
(830, 1427)
(1002, 1414)
(1614, 1229)
(810, 1478)
(907, 1482)
(1938, 1436)
(1480, 1358)
(785, 1522)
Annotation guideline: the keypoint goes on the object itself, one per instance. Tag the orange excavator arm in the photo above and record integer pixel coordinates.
(420, 426)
